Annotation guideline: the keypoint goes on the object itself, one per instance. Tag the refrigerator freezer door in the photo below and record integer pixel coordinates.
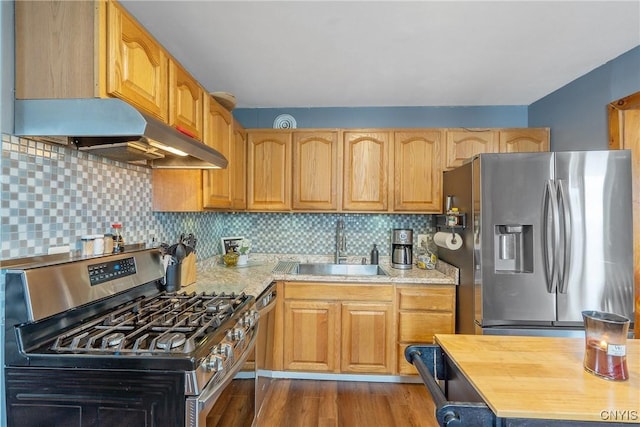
(598, 256)
(514, 280)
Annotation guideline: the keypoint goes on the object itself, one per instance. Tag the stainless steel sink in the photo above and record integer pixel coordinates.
(320, 269)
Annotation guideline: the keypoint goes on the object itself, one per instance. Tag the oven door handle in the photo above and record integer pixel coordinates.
(198, 407)
(264, 310)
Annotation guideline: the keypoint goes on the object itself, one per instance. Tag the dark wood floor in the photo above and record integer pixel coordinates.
(309, 403)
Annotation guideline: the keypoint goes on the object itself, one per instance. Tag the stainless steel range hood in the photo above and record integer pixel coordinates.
(111, 128)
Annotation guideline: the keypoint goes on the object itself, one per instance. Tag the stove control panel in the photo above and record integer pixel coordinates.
(110, 270)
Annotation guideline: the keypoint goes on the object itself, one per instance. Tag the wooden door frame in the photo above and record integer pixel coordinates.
(617, 112)
(616, 118)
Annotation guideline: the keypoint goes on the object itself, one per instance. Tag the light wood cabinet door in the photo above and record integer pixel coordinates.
(186, 102)
(269, 170)
(422, 311)
(218, 135)
(311, 335)
(137, 66)
(176, 190)
(57, 49)
(365, 171)
(463, 144)
(239, 167)
(315, 174)
(417, 172)
(367, 338)
(524, 140)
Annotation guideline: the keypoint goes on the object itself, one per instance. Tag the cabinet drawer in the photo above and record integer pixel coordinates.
(422, 326)
(437, 299)
(404, 367)
(335, 291)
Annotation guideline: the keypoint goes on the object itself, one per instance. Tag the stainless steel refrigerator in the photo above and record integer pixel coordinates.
(548, 235)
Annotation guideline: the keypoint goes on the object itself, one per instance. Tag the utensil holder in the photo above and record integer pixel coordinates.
(188, 270)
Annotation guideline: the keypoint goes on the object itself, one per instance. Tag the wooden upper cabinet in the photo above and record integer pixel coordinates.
(239, 167)
(186, 101)
(315, 174)
(417, 174)
(463, 144)
(218, 134)
(524, 140)
(269, 170)
(365, 170)
(137, 66)
(91, 49)
(177, 190)
(64, 66)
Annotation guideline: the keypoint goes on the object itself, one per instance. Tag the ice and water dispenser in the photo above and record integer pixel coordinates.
(513, 248)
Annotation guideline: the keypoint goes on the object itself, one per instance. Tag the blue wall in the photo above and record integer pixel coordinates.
(577, 112)
(393, 117)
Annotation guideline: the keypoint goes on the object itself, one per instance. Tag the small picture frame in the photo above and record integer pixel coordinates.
(230, 243)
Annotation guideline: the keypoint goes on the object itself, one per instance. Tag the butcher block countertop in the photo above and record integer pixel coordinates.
(544, 378)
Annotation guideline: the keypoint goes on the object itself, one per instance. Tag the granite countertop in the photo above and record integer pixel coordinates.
(254, 277)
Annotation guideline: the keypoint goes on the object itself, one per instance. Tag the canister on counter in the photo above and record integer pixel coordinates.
(98, 244)
(108, 243)
(86, 245)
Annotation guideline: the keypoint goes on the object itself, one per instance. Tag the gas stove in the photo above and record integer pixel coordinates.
(111, 316)
(167, 323)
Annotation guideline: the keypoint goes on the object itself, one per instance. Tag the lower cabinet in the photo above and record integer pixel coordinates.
(423, 311)
(366, 335)
(311, 335)
(359, 328)
(338, 328)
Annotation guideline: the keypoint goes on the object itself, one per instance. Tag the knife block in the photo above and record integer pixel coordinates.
(188, 273)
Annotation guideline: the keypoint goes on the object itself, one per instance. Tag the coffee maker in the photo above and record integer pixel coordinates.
(402, 248)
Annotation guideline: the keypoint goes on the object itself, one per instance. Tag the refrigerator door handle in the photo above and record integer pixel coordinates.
(566, 246)
(550, 235)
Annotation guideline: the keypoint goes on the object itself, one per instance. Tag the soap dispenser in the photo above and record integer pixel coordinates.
(374, 255)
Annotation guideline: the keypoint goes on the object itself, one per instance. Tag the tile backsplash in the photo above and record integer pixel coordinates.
(52, 195)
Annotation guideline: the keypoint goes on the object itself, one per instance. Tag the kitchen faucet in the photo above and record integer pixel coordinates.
(341, 243)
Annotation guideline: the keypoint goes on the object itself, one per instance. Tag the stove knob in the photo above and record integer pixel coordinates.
(212, 363)
(226, 350)
(249, 318)
(235, 334)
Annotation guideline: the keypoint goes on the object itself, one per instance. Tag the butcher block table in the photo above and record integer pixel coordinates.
(532, 381)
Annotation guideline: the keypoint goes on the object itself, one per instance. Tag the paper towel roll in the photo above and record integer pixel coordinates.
(451, 241)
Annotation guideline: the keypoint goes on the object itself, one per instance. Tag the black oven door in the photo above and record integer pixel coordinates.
(93, 398)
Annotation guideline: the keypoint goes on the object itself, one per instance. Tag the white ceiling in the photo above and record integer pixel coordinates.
(390, 53)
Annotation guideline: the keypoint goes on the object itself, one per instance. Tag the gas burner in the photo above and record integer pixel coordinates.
(172, 340)
(112, 340)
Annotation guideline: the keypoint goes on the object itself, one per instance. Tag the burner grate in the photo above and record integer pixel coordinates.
(164, 323)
